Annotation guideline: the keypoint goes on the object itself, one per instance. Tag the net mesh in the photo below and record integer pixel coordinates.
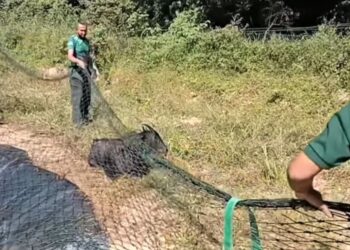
(294, 225)
(122, 191)
(153, 212)
(40, 211)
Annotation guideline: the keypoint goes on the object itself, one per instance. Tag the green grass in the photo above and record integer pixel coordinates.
(236, 130)
(245, 128)
(250, 121)
(213, 118)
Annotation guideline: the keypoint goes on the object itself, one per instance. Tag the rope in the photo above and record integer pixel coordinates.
(30, 72)
(254, 231)
(210, 189)
(229, 229)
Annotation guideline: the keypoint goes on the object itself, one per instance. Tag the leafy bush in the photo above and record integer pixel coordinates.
(190, 44)
(125, 37)
(55, 11)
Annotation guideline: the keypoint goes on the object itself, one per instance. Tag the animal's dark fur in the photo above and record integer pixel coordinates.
(125, 156)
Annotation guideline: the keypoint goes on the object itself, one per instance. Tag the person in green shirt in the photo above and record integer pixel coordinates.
(329, 149)
(79, 50)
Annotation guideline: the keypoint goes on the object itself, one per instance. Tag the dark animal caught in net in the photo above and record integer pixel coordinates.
(127, 155)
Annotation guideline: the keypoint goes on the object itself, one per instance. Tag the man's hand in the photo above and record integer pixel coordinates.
(81, 64)
(315, 199)
(301, 173)
(73, 59)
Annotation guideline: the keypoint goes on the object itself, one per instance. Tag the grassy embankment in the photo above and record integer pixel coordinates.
(233, 111)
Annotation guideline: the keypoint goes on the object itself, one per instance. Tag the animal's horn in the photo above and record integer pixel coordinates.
(147, 127)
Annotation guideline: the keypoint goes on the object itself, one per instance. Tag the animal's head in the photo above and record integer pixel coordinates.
(152, 139)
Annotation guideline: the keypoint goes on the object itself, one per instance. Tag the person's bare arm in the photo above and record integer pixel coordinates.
(73, 59)
(301, 173)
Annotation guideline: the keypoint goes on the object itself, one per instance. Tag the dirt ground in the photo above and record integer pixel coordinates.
(133, 216)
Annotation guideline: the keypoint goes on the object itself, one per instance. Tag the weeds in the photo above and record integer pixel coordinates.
(255, 104)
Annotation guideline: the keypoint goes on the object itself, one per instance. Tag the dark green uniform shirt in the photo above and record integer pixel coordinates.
(81, 48)
(332, 147)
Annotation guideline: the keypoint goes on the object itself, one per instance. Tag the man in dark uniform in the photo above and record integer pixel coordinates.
(79, 49)
(327, 150)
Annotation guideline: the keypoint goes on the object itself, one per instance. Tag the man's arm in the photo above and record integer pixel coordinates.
(301, 173)
(73, 59)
